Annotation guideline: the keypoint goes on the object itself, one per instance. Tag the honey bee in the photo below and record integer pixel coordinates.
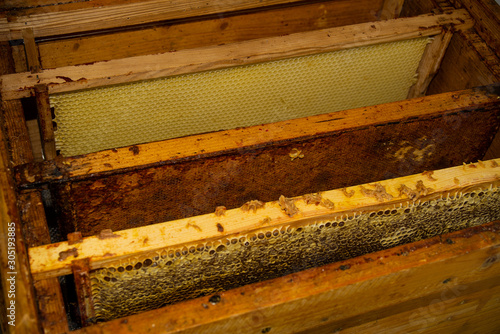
(429, 175)
(379, 193)
(253, 205)
(220, 211)
(312, 198)
(288, 205)
(346, 193)
(296, 153)
(328, 204)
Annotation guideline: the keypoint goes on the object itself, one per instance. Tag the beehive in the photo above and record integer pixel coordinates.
(204, 141)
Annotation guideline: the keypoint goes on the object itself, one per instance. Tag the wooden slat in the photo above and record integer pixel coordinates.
(19, 57)
(51, 306)
(486, 13)
(391, 9)
(56, 259)
(413, 8)
(125, 14)
(430, 63)
(34, 224)
(494, 150)
(13, 116)
(35, 138)
(48, 292)
(223, 142)
(30, 7)
(459, 309)
(45, 121)
(26, 315)
(453, 269)
(468, 62)
(15, 136)
(175, 37)
(488, 57)
(31, 48)
(17, 131)
(211, 58)
(80, 269)
(462, 68)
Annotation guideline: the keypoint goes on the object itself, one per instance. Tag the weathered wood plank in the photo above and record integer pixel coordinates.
(29, 7)
(35, 138)
(80, 269)
(391, 9)
(34, 224)
(45, 121)
(56, 259)
(25, 316)
(430, 63)
(468, 62)
(19, 57)
(124, 14)
(231, 29)
(459, 308)
(222, 56)
(15, 7)
(486, 14)
(32, 54)
(414, 8)
(17, 131)
(48, 292)
(462, 68)
(489, 58)
(12, 246)
(13, 116)
(454, 269)
(494, 150)
(51, 306)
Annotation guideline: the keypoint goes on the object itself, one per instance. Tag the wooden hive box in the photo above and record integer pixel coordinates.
(305, 178)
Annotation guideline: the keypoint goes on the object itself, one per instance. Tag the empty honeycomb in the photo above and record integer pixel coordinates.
(174, 274)
(134, 113)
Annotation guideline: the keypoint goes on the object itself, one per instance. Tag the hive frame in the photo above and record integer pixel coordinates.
(106, 249)
(71, 78)
(434, 283)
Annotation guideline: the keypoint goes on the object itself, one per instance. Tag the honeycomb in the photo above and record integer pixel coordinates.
(116, 116)
(175, 274)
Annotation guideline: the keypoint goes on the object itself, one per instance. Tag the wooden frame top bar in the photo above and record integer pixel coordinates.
(55, 259)
(64, 79)
(120, 15)
(224, 142)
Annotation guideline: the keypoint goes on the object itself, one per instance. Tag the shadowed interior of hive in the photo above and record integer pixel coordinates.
(159, 109)
(175, 274)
